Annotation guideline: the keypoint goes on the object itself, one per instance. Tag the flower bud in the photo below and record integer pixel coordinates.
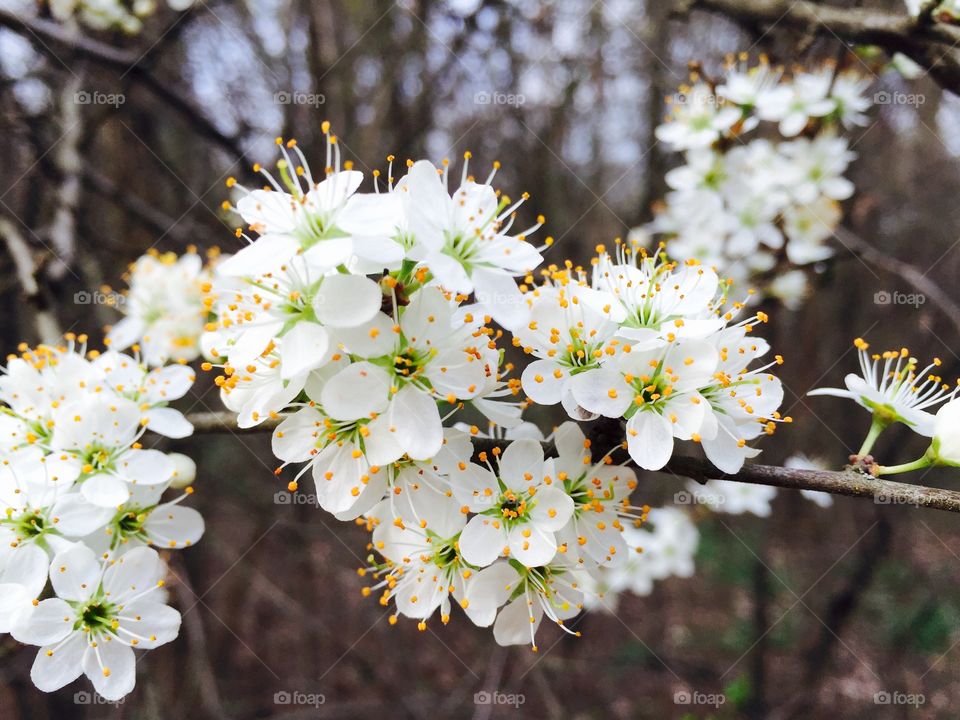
(946, 434)
(185, 471)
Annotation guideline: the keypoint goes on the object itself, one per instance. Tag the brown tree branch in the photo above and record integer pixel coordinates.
(45, 35)
(846, 482)
(926, 42)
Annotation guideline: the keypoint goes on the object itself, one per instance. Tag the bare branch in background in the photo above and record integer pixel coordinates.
(920, 281)
(62, 230)
(846, 482)
(928, 43)
(41, 32)
(25, 264)
(152, 218)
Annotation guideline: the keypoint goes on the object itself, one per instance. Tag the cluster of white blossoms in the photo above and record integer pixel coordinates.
(658, 344)
(125, 15)
(163, 309)
(356, 323)
(83, 506)
(760, 190)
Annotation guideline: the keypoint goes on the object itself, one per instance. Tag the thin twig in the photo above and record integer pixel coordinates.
(914, 277)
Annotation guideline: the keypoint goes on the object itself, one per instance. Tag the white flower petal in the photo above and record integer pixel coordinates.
(347, 300)
(482, 540)
(355, 392)
(112, 668)
(58, 665)
(47, 623)
(649, 440)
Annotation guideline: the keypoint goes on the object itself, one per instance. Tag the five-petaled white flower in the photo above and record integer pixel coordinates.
(100, 613)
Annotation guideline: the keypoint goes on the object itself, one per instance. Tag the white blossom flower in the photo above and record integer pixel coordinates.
(894, 390)
(520, 507)
(818, 166)
(144, 520)
(290, 316)
(163, 310)
(327, 223)
(657, 301)
(553, 590)
(463, 238)
(847, 93)
(100, 433)
(420, 542)
(807, 226)
(794, 104)
(745, 401)
(567, 331)
(600, 492)
(658, 392)
(100, 613)
(698, 119)
(152, 390)
(748, 86)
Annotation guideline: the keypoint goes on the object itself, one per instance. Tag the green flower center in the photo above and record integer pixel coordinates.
(97, 616)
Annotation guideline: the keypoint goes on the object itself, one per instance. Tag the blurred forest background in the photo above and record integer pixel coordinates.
(113, 144)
